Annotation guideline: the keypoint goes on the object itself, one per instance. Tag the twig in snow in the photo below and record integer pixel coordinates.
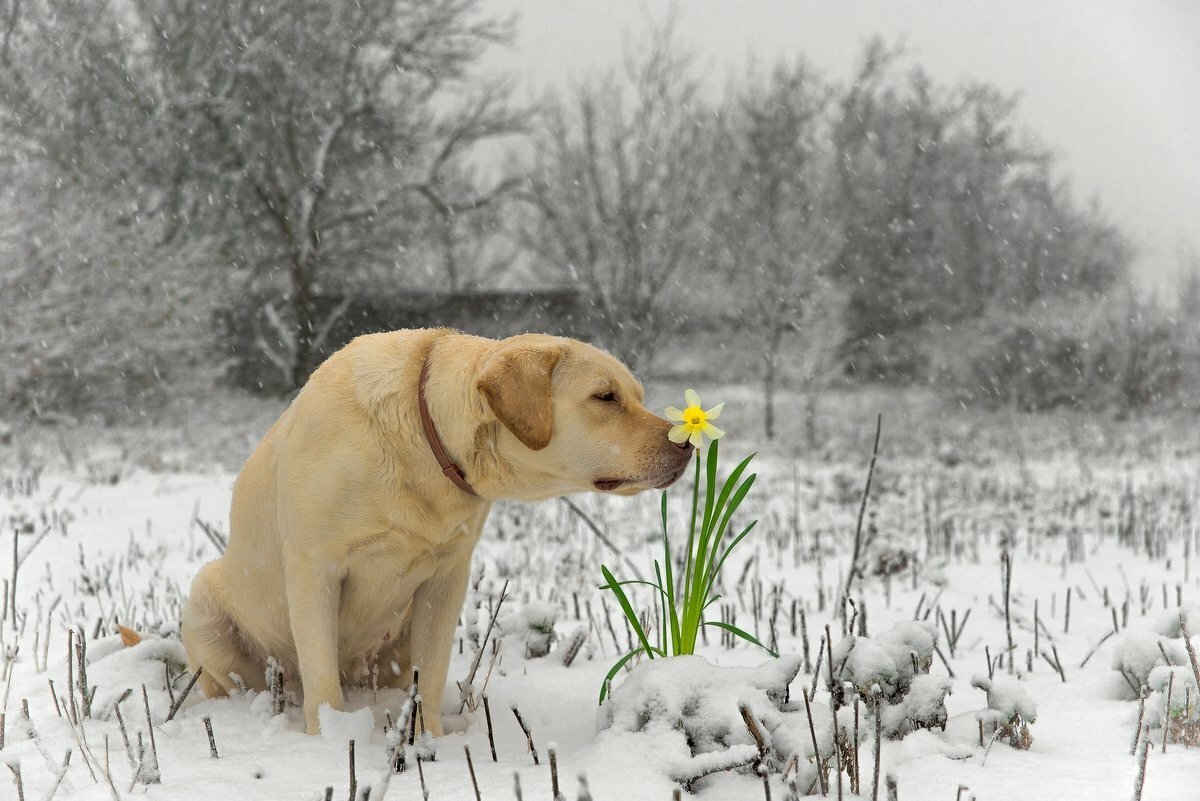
(1191, 652)
(471, 768)
(1137, 732)
(1167, 711)
(816, 751)
(487, 713)
(483, 645)
(528, 735)
(212, 743)
(600, 536)
(1141, 774)
(752, 725)
(1095, 648)
(858, 538)
(183, 696)
(16, 769)
(59, 775)
(554, 794)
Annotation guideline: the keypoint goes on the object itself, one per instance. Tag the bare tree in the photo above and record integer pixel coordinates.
(312, 133)
(781, 231)
(621, 187)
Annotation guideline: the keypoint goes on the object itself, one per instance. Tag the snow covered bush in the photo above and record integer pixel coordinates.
(896, 662)
(689, 712)
(531, 628)
(1009, 711)
(1136, 654)
(923, 707)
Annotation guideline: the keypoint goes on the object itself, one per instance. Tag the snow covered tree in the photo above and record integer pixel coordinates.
(781, 232)
(622, 188)
(310, 134)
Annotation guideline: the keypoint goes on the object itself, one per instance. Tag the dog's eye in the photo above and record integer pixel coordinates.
(605, 397)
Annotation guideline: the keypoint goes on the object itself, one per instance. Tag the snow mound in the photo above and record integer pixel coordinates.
(338, 728)
(689, 711)
(1137, 653)
(529, 629)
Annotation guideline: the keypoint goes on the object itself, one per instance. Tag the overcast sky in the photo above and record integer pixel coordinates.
(1112, 86)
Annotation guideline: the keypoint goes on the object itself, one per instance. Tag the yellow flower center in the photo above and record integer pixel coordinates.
(694, 417)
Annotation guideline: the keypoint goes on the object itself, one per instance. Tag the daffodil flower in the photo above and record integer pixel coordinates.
(692, 423)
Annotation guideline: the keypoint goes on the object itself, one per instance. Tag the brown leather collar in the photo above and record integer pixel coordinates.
(449, 469)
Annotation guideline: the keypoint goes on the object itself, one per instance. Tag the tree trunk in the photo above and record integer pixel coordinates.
(771, 357)
(810, 419)
(302, 305)
(769, 399)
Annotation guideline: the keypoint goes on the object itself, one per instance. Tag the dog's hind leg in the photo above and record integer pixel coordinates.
(213, 641)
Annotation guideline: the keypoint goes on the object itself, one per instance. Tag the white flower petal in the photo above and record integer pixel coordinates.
(715, 411)
(692, 398)
(674, 414)
(678, 434)
(697, 439)
(712, 431)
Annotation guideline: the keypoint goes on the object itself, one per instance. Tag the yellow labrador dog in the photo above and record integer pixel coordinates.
(353, 521)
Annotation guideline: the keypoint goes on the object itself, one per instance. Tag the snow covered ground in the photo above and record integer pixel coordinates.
(102, 546)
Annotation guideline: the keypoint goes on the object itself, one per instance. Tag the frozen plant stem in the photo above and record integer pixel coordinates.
(554, 794)
(858, 528)
(487, 633)
(212, 743)
(1141, 774)
(1167, 711)
(878, 747)
(1007, 616)
(1137, 732)
(183, 696)
(812, 731)
(528, 735)
(1191, 651)
(471, 769)
(487, 713)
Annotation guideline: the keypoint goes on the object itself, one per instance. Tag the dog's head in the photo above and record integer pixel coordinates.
(571, 420)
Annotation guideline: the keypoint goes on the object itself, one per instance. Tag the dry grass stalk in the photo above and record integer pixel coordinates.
(1137, 732)
(212, 743)
(471, 770)
(812, 731)
(528, 735)
(1141, 774)
(183, 696)
(487, 713)
(1191, 651)
(554, 793)
(483, 645)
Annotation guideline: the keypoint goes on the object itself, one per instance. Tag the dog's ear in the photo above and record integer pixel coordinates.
(516, 383)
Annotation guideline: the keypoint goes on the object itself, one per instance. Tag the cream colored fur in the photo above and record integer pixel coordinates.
(348, 548)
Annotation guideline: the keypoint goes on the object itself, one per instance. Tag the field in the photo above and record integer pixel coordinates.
(111, 527)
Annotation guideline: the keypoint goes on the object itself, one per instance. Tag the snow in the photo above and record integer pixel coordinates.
(125, 551)
(342, 727)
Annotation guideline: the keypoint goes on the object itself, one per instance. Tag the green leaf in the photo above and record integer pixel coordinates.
(670, 615)
(745, 635)
(729, 484)
(710, 482)
(614, 670)
(627, 607)
(687, 569)
(734, 503)
(728, 550)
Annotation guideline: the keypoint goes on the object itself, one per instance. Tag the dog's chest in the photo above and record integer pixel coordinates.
(384, 574)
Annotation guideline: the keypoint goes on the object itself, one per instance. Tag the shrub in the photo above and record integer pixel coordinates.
(1119, 354)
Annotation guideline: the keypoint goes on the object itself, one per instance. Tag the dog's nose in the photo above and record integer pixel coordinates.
(684, 446)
